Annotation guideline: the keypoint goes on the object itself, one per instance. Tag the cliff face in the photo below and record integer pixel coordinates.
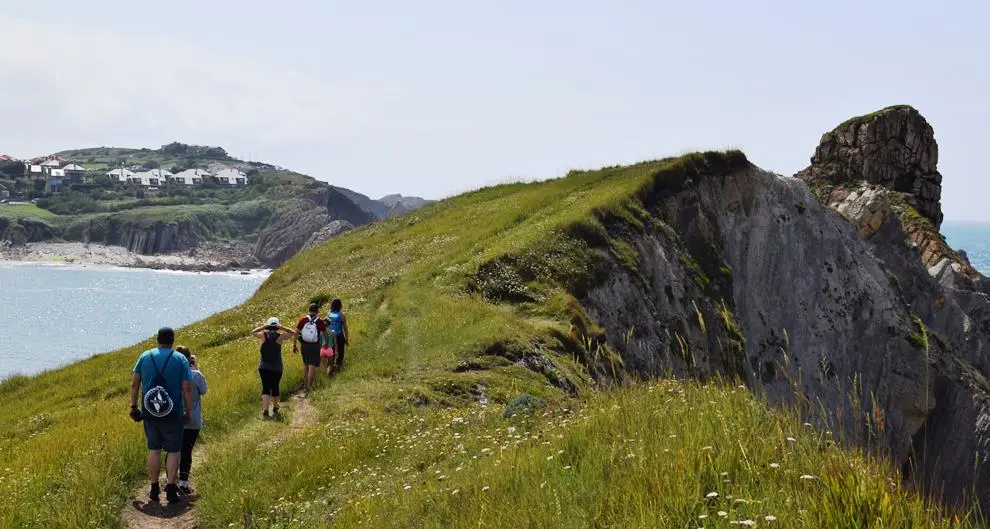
(831, 309)
(299, 220)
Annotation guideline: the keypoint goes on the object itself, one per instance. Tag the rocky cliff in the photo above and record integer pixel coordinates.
(297, 222)
(831, 307)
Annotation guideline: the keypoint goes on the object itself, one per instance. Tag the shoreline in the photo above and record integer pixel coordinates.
(212, 258)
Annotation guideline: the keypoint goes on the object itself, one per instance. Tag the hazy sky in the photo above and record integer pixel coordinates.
(437, 97)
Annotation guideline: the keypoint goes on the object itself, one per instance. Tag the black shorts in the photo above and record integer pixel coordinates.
(311, 354)
(269, 381)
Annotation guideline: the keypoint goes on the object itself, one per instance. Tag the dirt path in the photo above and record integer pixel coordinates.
(141, 513)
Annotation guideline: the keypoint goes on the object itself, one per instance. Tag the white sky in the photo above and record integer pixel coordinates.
(437, 97)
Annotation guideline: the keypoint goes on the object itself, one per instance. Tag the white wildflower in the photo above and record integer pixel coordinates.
(774, 465)
(711, 495)
(770, 518)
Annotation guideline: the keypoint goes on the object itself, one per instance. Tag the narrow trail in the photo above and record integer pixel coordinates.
(141, 513)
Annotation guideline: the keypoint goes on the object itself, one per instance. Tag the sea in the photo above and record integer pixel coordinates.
(52, 315)
(972, 238)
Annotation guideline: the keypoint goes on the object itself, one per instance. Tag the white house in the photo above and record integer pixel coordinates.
(148, 178)
(230, 177)
(190, 177)
(121, 175)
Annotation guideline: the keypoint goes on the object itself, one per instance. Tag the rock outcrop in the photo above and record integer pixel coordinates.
(886, 163)
(296, 223)
(833, 310)
(894, 148)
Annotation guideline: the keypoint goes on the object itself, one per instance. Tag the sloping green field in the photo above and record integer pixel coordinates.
(413, 434)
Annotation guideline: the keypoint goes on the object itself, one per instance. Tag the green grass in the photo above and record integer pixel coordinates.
(23, 211)
(434, 360)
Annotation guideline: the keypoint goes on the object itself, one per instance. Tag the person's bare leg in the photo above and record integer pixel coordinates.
(172, 467)
(154, 465)
(264, 403)
(274, 402)
(308, 377)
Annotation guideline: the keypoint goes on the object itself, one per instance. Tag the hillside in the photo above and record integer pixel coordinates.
(522, 355)
(262, 223)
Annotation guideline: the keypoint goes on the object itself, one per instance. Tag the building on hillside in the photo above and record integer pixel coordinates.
(7, 158)
(161, 174)
(230, 177)
(190, 177)
(34, 171)
(152, 178)
(74, 174)
(53, 163)
(121, 175)
(55, 180)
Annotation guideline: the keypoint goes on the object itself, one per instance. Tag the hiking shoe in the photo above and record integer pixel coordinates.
(155, 493)
(172, 493)
(186, 491)
(264, 414)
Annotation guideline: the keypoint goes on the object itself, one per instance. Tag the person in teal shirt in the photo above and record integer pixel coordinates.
(162, 376)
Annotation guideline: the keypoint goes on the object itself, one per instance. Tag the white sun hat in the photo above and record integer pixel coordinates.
(272, 322)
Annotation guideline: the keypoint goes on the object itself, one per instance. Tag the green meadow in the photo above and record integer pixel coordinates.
(436, 420)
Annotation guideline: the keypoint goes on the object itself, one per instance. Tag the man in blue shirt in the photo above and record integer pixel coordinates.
(162, 376)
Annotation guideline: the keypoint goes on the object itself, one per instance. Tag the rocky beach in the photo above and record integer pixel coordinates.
(210, 257)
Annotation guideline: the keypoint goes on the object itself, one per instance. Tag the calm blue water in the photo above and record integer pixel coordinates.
(973, 238)
(55, 315)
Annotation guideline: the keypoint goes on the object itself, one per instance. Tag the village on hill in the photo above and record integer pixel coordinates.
(55, 173)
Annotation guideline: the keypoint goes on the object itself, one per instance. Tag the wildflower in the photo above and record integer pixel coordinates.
(722, 514)
(568, 467)
(549, 458)
(711, 495)
(774, 465)
(748, 523)
(791, 439)
(407, 487)
(485, 489)
(703, 516)
(456, 492)
(807, 476)
(706, 448)
(770, 518)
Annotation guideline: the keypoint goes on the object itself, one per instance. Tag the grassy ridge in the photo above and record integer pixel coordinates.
(433, 364)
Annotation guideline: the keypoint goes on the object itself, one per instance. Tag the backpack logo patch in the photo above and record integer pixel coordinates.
(158, 402)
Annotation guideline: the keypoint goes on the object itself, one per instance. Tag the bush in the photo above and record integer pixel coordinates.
(522, 405)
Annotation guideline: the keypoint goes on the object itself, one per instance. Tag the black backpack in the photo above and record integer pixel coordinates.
(157, 404)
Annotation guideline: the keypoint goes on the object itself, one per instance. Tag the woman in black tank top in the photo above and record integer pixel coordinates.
(271, 335)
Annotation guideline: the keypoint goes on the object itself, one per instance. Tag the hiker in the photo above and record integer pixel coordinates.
(337, 325)
(162, 377)
(312, 332)
(270, 366)
(191, 432)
